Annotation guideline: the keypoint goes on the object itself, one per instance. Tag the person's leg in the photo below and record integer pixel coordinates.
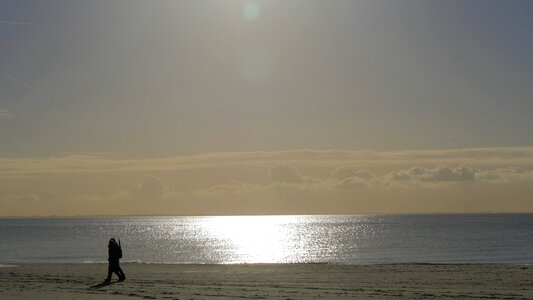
(109, 272)
(120, 273)
(112, 269)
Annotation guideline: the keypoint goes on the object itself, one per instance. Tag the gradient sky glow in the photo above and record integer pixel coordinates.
(142, 80)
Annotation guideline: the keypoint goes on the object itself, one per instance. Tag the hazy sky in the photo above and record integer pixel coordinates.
(141, 80)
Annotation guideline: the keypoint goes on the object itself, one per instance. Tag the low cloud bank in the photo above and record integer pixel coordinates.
(438, 174)
(289, 177)
(481, 158)
(94, 184)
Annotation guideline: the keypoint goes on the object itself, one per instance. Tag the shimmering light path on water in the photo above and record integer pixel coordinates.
(347, 239)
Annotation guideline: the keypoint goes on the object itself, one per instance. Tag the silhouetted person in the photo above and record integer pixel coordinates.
(115, 253)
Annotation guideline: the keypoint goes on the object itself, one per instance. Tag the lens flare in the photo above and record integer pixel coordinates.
(251, 11)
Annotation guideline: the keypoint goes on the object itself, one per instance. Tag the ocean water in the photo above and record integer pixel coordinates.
(343, 239)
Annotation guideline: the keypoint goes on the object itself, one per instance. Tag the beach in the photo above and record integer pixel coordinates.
(267, 281)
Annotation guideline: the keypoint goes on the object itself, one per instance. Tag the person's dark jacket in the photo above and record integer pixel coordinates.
(114, 253)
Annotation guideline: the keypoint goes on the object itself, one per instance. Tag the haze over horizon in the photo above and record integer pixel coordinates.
(265, 107)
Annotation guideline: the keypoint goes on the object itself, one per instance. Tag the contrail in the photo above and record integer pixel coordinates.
(69, 26)
(52, 25)
(20, 81)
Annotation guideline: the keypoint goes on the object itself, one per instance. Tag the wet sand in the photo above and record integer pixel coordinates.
(268, 281)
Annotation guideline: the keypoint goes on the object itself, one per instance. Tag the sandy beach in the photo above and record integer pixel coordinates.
(265, 281)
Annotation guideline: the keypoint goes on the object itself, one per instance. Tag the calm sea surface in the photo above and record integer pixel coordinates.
(346, 239)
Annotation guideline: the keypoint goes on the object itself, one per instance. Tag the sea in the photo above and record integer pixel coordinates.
(334, 239)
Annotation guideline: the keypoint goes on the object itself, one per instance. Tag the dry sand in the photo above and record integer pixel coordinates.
(265, 281)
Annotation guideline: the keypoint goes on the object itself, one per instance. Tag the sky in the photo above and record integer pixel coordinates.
(265, 107)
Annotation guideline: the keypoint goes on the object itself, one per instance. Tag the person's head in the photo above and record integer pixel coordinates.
(112, 242)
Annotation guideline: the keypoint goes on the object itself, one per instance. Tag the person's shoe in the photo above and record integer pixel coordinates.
(107, 280)
(122, 278)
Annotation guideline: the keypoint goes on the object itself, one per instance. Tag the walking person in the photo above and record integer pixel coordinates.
(115, 254)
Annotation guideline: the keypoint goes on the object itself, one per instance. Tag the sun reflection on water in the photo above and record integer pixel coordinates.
(254, 239)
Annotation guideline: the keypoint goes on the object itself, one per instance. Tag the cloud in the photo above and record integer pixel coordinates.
(103, 184)
(28, 198)
(281, 177)
(150, 187)
(285, 174)
(505, 175)
(462, 174)
(347, 172)
(286, 177)
(351, 183)
(20, 199)
(231, 188)
(438, 174)
(480, 158)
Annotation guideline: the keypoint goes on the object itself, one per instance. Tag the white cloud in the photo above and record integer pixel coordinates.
(351, 183)
(231, 188)
(347, 172)
(437, 174)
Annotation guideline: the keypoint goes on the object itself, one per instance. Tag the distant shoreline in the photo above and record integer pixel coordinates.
(266, 215)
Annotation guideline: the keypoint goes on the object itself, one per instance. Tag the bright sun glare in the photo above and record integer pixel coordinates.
(254, 239)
